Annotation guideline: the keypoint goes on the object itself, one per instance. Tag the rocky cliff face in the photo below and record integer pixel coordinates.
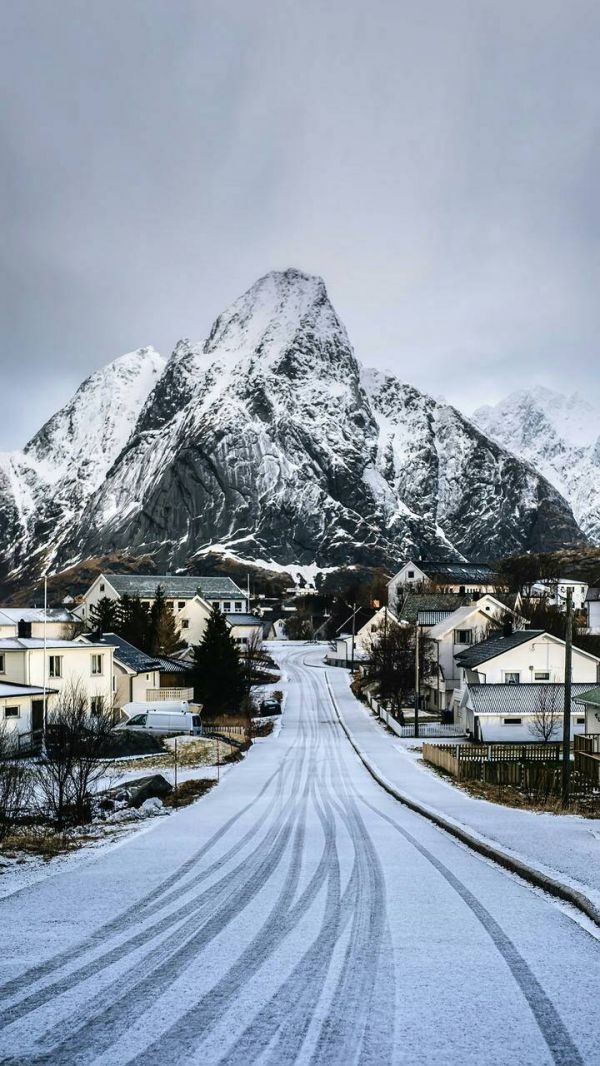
(560, 436)
(270, 442)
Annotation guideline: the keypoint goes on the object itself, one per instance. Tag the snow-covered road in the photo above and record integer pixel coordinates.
(297, 914)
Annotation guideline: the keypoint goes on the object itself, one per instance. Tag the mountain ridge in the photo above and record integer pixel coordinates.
(271, 441)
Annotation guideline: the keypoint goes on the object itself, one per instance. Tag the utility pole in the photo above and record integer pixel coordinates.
(175, 797)
(44, 684)
(353, 636)
(566, 745)
(417, 680)
(384, 644)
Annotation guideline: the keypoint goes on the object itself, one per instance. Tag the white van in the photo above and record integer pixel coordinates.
(163, 723)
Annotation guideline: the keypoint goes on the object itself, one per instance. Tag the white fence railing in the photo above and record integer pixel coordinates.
(154, 694)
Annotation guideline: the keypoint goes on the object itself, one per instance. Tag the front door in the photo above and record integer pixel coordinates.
(37, 715)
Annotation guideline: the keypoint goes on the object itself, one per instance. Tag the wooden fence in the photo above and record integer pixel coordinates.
(534, 766)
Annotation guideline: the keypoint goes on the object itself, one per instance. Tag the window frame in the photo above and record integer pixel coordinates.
(512, 721)
(511, 677)
(52, 671)
(97, 655)
(2, 663)
(541, 675)
(13, 707)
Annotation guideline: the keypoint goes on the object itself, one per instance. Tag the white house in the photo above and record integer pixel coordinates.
(31, 622)
(191, 598)
(555, 592)
(341, 653)
(22, 708)
(521, 657)
(458, 578)
(592, 603)
(454, 633)
(522, 713)
(69, 664)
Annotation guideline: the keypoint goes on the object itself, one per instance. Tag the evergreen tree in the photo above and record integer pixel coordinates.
(164, 636)
(105, 615)
(134, 622)
(218, 675)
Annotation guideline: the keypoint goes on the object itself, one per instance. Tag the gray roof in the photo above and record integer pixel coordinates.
(8, 690)
(168, 665)
(430, 601)
(593, 594)
(522, 699)
(236, 618)
(494, 646)
(590, 697)
(128, 654)
(431, 618)
(459, 572)
(174, 586)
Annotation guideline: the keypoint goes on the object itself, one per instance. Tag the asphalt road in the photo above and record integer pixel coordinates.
(297, 914)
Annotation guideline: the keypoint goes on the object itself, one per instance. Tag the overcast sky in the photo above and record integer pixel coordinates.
(436, 161)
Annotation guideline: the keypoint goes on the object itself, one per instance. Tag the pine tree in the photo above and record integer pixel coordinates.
(104, 615)
(218, 675)
(134, 622)
(164, 635)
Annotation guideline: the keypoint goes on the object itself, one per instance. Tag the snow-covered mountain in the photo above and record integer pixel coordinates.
(269, 442)
(560, 436)
(44, 489)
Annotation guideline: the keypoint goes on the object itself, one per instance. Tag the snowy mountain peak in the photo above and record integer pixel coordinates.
(559, 435)
(268, 441)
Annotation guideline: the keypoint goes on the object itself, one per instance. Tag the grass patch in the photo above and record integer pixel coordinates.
(189, 791)
(40, 841)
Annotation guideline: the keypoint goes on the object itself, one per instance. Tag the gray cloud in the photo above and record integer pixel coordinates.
(436, 162)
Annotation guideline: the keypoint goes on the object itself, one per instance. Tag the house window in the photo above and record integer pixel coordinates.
(580, 721)
(12, 712)
(96, 704)
(2, 669)
(55, 665)
(185, 624)
(227, 605)
(97, 664)
(181, 605)
(411, 573)
(101, 588)
(238, 606)
(512, 721)
(511, 677)
(464, 636)
(541, 675)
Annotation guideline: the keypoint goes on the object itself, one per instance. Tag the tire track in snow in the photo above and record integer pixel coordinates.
(552, 1028)
(134, 914)
(167, 959)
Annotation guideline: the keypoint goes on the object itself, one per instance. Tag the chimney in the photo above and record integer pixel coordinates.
(24, 628)
(507, 628)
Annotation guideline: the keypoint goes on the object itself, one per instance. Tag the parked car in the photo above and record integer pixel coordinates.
(164, 723)
(270, 707)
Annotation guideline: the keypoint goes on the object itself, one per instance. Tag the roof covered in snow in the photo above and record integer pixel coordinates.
(12, 615)
(9, 691)
(174, 586)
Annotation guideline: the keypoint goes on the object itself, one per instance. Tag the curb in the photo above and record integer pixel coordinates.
(489, 851)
